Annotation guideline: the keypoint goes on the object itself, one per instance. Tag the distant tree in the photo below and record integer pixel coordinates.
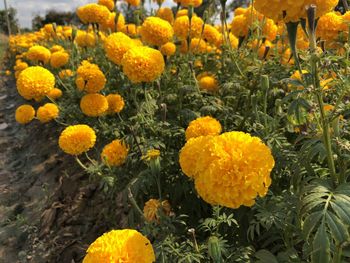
(13, 21)
(52, 16)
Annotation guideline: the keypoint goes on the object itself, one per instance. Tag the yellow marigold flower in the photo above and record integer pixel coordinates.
(240, 26)
(39, 54)
(115, 103)
(194, 3)
(168, 49)
(125, 245)
(110, 22)
(56, 48)
(47, 112)
(59, 59)
(151, 154)
(270, 29)
(166, 14)
(181, 27)
(328, 107)
(116, 45)
(85, 39)
(182, 12)
(152, 207)
(211, 34)
(90, 78)
(130, 30)
(208, 82)
(24, 114)
(156, 31)
(203, 126)
(115, 153)
(35, 82)
(133, 2)
(107, 3)
(65, 73)
(20, 65)
(198, 45)
(55, 93)
(49, 29)
(143, 64)
(240, 11)
(93, 13)
(77, 139)
(93, 104)
(329, 26)
(231, 169)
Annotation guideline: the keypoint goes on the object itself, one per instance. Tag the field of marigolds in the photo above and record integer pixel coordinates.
(224, 136)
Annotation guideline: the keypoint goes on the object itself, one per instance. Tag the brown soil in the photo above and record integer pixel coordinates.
(49, 209)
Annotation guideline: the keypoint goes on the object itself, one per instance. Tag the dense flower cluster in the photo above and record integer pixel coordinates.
(77, 139)
(127, 245)
(35, 83)
(143, 64)
(115, 153)
(230, 169)
(203, 126)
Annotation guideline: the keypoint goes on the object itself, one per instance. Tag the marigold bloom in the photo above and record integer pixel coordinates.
(130, 29)
(211, 34)
(39, 54)
(203, 126)
(55, 93)
(115, 103)
(24, 114)
(59, 59)
(94, 105)
(208, 82)
(156, 31)
(116, 45)
(85, 39)
(47, 112)
(152, 207)
(166, 14)
(90, 78)
(198, 45)
(93, 13)
(35, 82)
(143, 64)
(168, 49)
(133, 2)
(127, 245)
(240, 26)
(109, 23)
(231, 169)
(56, 48)
(65, 73)
(194, 3)
(77, 139)
(107, 3)
(115, 153)
(329, 26)
(181, 27)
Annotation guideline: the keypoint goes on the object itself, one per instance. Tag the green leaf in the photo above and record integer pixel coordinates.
(265, 256)
(321, 246)
(339, 231)
(342, 210)
(310, 223)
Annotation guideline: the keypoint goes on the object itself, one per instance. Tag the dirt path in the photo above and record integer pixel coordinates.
(49, 209)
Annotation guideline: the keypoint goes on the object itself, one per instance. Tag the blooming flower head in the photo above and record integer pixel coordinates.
(156, 31)
(56, 48)
(115, 153)
(65, 73)
(109, 23)
(35, 82)
(133, 2)
(166, 14)
(59, 59)
(194, 3)
(198, 45)
(55, 93)
(115, 103)
(94, 105)
(211, 34)
(90, 78)
(85, 39)
(208, 82)
(230, 169)
(168, 49)
(152, 207)
(39, 54)
(93, 13)
(329, 26)
(24, 114)
(116, 45)
(181, 27)
(127, 245)
(107, 3)
(77, 139)
(143, 64)
(203, 126)
(47, 112)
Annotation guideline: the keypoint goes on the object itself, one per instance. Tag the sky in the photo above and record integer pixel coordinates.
(27, 9)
